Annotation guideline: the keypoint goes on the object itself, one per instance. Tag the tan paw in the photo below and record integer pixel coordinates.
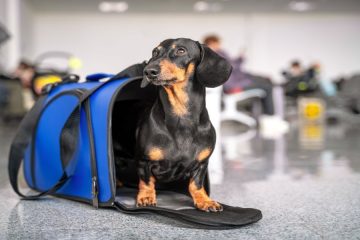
(146, 199)
(209, 206)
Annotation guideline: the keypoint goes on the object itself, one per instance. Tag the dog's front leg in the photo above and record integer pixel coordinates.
(201, 199)
(147, 193)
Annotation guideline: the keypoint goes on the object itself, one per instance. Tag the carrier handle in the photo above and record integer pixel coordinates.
(97, 77)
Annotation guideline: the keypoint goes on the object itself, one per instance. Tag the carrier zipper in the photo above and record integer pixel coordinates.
(94, 180)
(95, 192)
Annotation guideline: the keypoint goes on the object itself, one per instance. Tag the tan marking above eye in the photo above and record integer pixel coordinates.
(156, 154)
(204, 154)
(173, 46)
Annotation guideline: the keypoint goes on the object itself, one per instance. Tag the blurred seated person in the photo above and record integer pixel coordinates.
(24, 75)
(300, 81)
(295, 69)
(239, 80)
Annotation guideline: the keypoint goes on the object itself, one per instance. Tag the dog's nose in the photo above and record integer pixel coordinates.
(151, 73)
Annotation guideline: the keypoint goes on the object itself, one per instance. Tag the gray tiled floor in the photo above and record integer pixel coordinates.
(307, 188)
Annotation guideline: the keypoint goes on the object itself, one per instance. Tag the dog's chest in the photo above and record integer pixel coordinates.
(184, 142)
(182, 151)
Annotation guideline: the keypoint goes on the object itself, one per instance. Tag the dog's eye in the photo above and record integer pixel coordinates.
(155, 53)
(180, 51)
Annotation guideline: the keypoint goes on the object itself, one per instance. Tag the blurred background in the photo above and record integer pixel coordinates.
(289, 116)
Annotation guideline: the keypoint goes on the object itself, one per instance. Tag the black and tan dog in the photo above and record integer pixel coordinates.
(176, 138)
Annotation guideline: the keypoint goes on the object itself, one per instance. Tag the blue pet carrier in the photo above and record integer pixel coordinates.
(71, 139)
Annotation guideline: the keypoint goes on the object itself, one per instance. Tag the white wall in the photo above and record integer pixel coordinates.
(331, 40)
(111, 42)
(18, 20)
(2, 11)
(2, 21)
(26, 29)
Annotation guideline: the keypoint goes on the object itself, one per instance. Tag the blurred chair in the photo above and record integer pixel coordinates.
(13, 107)
(4, 95)
(231, 111)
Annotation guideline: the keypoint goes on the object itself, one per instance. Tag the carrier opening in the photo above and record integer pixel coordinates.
(130, 105)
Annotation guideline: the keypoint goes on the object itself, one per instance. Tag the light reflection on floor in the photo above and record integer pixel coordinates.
(305, 152)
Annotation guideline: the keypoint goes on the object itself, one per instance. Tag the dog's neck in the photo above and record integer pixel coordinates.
(183, 101)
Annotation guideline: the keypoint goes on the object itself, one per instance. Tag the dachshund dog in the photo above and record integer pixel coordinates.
(175, 139)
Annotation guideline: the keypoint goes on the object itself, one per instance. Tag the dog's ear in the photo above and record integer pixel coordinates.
(212, 70)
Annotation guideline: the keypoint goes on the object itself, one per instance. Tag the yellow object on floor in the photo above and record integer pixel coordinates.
(311, 109)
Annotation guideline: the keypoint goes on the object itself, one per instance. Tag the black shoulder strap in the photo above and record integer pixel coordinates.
(19, 145)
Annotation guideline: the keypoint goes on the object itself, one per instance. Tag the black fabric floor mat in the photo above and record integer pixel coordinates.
(180, 207)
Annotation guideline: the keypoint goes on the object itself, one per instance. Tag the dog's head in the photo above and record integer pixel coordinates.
(176, 60)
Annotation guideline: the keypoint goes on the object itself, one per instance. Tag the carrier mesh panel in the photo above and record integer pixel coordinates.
(69, 137)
